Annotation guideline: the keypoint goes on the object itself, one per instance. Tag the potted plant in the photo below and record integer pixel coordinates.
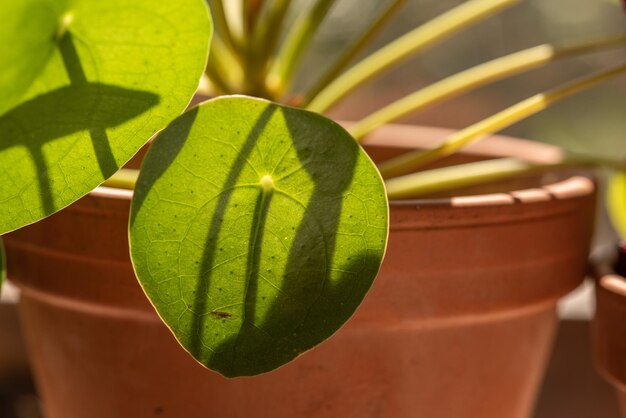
(257, 228)
(608, 329)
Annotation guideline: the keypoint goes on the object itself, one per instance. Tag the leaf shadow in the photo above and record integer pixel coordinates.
(289, 329)
(195, 345)
(81, 106)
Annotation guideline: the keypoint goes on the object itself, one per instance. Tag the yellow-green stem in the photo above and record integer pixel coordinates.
(480, 75)
(453, 177)
(281, 73)
(125, 178)
(404, 47)
(500, 120)
(223, 68)
(265, 36)
(223, 27)
(353, 50)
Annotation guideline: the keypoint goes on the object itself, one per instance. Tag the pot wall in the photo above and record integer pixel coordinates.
(459, 322)
(609, 333)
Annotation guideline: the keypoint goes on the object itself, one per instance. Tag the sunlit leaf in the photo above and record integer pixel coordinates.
(617, 203)
(83, 85)
(256, 231)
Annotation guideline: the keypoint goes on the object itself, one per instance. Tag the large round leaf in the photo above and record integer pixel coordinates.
(83, 85)
(617, 203)
(256, 231)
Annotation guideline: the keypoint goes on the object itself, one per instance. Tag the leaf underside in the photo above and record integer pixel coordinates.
(256, 231)
(617, 203)
(90, 81)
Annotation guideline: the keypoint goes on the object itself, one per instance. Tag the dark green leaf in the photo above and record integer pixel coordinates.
(256, 231)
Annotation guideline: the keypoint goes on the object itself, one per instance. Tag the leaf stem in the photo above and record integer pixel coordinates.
(223, 68)
(299, 36)
(453, 177)
(477, 76)
(251, 11)
(124, 178)
(353, 50)
(265, 38)
(494, 123)
(223, 27)
(404, 47)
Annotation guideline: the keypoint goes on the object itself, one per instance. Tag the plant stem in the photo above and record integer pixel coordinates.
(579, 159)
(404, 47)
(124, 178)
(223, 27)
(447, 178)
(353, 50)
(266, 34)
(281, 74)
(475, 77)
(223, 68)
(251, 10)
(500, 120)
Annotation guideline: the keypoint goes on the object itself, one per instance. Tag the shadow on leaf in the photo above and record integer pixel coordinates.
(309, 307)
(80, 107)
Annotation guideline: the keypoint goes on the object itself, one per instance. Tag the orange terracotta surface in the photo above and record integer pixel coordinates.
(609, 333)
(459, 323)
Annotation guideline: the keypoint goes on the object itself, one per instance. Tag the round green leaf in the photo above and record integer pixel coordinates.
(85, 85)
(256, 231)
(617, 202)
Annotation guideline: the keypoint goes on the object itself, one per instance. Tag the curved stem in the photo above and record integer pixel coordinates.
(500, 120)
(223, 27)
(265, 38)
(281, 74)
(453, 177)
(353, 50)
(474, 77)
(404, 47)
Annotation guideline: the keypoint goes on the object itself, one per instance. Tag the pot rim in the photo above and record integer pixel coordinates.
(493, 146)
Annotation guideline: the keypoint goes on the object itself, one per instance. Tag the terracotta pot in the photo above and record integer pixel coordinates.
(458, 324)
(13, 360)
(609, 333)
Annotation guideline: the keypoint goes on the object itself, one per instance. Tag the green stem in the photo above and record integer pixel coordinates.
(488, 72)
(453, 177)
(500, 120)
(251, 11)
(404, 47)
(580, 159)
(353, 50)
(124, 178)
(223, 68)
(223, 27)
(281, 74)
(266, 35)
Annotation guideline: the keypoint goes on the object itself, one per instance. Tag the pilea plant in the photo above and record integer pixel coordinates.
(257, 224)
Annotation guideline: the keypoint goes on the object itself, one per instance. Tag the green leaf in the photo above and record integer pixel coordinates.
(89, 82)
(617, 202)
(256, 231)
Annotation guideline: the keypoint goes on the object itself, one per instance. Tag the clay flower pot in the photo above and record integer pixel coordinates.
(459, 323)
(609, 333)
